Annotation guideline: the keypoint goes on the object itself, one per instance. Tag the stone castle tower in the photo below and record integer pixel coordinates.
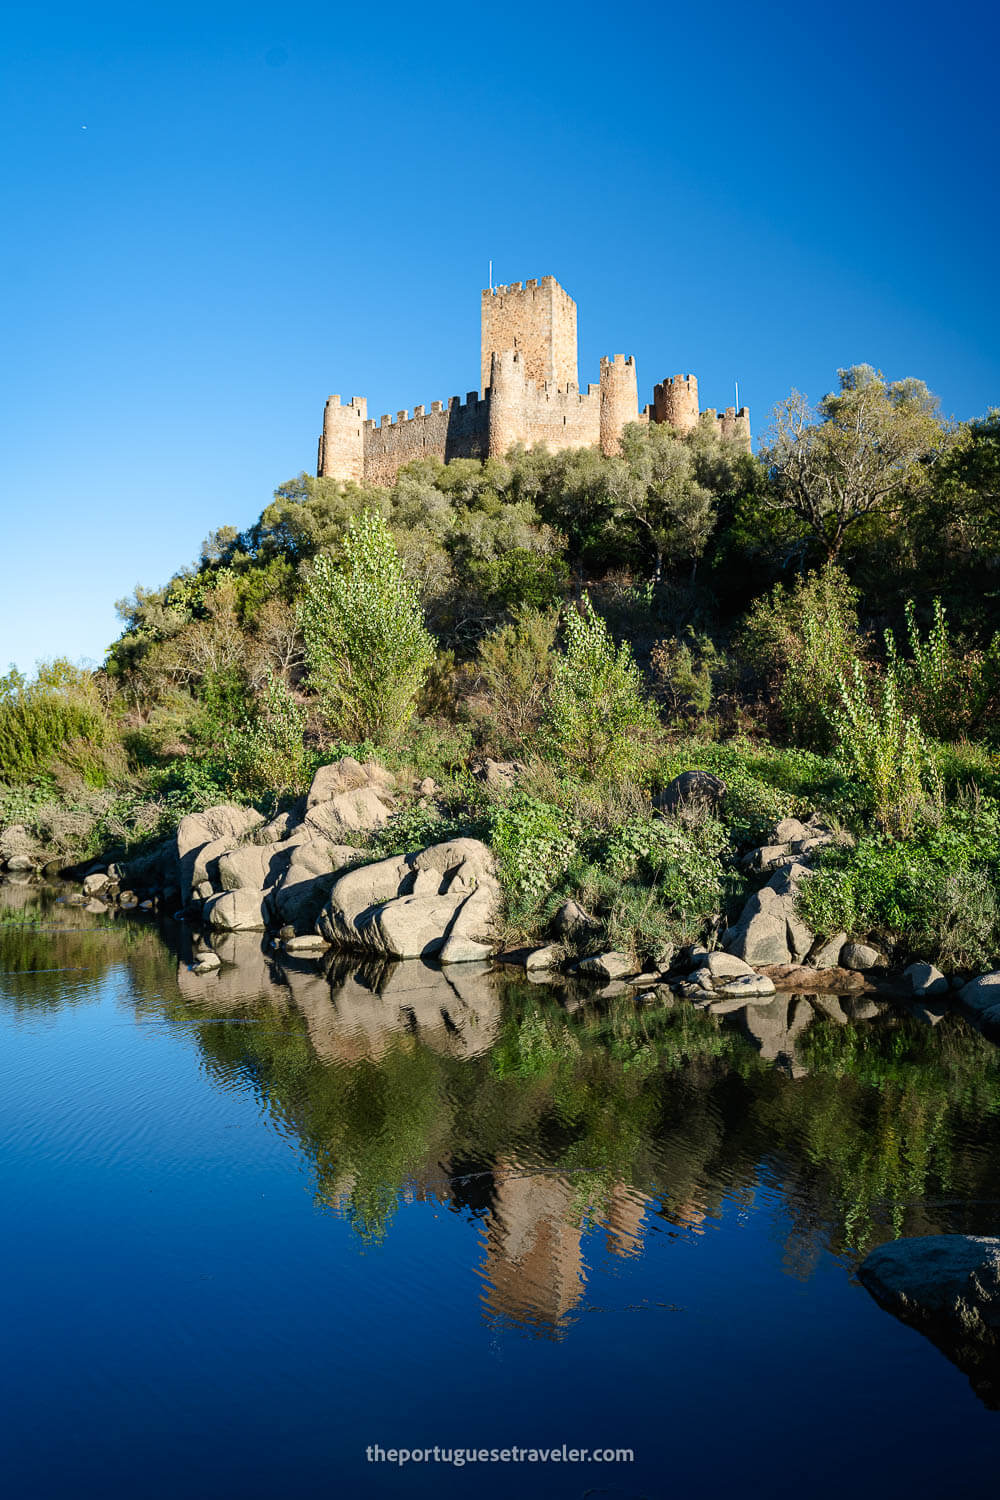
(529, 394)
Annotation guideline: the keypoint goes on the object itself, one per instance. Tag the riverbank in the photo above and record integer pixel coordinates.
(340, 871)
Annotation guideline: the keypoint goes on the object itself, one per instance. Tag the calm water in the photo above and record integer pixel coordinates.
(257, 1221)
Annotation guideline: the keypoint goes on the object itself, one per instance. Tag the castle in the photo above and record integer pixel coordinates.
(530, 395)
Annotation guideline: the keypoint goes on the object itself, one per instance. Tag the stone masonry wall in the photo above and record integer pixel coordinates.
(449, 430)
(538, 319)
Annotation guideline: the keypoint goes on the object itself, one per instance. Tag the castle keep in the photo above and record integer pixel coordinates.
(530, 394)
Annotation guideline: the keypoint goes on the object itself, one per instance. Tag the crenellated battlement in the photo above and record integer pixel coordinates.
(530, 394)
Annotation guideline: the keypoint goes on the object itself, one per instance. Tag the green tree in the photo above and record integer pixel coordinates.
(597, 715)
(869, 447)
(656, 488)
(367, 646)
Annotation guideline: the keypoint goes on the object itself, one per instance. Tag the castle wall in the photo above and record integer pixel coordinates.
(449, 430)
(538, 320)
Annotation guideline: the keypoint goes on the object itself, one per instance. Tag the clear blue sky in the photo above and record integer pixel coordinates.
(217, 214)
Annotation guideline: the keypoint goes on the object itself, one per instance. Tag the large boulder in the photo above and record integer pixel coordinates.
(981, 994)
(769, 930)
(257, 866)
(413, 905)
(950, 1276)
(308, 880)
(947, 1286)
(926, 980)
(244, 910)
(224, 825)
(359, 811)
(691, 787)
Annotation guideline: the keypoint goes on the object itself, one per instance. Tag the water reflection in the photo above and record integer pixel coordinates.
(562, 1132)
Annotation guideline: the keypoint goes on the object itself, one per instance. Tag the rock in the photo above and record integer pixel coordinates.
(259, 866)
(499, 774)
(571, 920)
(15, 842)
(789, 830)
(343, 775)
(308, 880)
(982, 993)
(224, 826)
(21, 863)
(360, 811)
(442, 900)
(605, 965)
(427, 787)
(691, 787)
(727, 966)
(282, 826)
(859, 956)
(238, 911)
(989, 1023)
(768, 858)
(953, 1278)
(468, 855)
(543, 959)
(769, 931)
(746, 987)
(94, 884)
(206, 962)
(925, 980)
(827, 956)
(309, 942)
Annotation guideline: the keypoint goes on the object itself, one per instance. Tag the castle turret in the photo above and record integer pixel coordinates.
(735, 425)
(619, 400)
(341, 446)
(675, 401)
(507, 392)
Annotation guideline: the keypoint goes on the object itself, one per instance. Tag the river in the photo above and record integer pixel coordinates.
(264, 1225)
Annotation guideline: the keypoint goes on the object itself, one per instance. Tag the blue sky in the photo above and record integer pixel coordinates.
(218, 214)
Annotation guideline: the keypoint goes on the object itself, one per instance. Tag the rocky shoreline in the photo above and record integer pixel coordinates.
(299, 878)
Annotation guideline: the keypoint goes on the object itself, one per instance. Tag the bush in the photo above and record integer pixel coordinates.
(515, 668)
(367, 646)
(597, 717)
(952, 692)
(883, 749)
(806, 639)
(266, 753)
(533, 842)
(936, 895)
(59, 711)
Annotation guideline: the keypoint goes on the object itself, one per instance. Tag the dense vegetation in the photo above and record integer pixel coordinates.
(815, 623)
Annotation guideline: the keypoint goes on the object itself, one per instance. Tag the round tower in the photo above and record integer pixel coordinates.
(506, 398)
(619, 400)
(341, 446)
(676, 401)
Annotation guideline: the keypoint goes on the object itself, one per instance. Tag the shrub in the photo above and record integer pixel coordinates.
(38, 719)
(597, 717)
(806, 639)
(367, 646)
(515, 668)
(883, 749)
(266, 752)
(952, 692)
(936, 895)
(684, 671)
(533, 842)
